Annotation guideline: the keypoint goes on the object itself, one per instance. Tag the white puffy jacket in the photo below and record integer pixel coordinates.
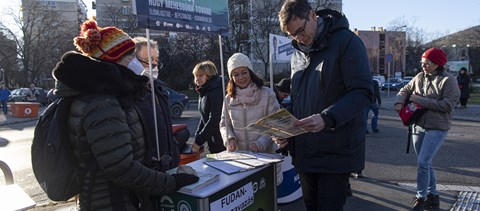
(240, 116)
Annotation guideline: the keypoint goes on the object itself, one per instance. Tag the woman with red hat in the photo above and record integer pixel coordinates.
(437, 90)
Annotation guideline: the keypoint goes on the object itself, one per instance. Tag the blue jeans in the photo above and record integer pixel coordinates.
(4, 106)
(426, 144)
(374, 108)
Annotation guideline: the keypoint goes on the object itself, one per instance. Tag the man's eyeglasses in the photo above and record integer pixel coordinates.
(146, 62)
(159, 65)
(300, 31)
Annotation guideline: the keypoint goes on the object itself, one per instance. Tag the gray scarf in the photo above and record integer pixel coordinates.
(320, 27)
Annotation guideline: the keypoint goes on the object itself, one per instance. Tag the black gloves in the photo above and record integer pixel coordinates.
(184, 179)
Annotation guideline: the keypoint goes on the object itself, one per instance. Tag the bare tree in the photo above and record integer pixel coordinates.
(119, 16)
(8, 60)
(238, 40)
(40, 38)
(184, 52)
(266, 22)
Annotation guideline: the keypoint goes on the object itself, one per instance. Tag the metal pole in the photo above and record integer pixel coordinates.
(388, 80)
(152, 89)
(271, 65)
(224, 111)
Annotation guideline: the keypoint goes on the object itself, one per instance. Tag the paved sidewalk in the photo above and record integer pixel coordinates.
(369, 194)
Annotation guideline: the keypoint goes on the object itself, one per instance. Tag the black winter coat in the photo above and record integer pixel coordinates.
(331, 79)
(168, 146)
(210, 104)
(105, 126)
(464, 85)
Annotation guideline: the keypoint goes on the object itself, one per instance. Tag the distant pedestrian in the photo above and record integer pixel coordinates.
(210, 102)
(463, 80)
(4, 93)
(282, 90)
(33, 93)
(437, 91)
(374, 108)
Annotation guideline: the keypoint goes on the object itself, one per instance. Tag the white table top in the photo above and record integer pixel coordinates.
(12, 197)
(225, 180)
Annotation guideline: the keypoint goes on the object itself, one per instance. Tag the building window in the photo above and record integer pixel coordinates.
(125, 10)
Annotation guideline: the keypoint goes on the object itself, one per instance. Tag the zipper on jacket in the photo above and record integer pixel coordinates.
(245, 125)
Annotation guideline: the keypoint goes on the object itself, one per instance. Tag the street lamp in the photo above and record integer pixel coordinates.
(3, 81)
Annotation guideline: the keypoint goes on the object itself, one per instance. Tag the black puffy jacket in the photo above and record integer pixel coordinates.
(210, 103)
(105, 126)
(333, 79)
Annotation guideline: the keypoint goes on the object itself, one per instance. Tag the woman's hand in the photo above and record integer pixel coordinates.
(232, 145)
(281, 143)
(195, 148)
(254, 147)
(398, 107)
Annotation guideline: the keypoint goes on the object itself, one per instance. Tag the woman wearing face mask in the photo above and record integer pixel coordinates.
(105, 125)
(210, 101)
(246, 102)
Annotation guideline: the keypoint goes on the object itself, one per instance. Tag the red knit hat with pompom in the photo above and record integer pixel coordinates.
(109, 43)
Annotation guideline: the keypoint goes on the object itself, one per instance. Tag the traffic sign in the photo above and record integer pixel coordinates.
(389, 57)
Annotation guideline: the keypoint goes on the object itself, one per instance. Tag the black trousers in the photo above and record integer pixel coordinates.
(324, 192)
(463, 101)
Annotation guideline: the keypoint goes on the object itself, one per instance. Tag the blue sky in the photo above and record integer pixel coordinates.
(436, 17)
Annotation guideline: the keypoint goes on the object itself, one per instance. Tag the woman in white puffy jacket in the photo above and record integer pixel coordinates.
(246, 102)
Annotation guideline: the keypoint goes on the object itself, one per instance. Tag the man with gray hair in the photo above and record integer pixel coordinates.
(169, 150)
(141, 45)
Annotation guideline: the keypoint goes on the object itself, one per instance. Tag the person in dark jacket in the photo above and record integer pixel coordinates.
(165, 149)
(464, 84)
(4, 93)
(105, 125)
(210, 102)
(374, 107)
(282, 89)
(332, 88)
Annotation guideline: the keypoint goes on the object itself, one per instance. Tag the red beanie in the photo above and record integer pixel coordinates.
(437, 56)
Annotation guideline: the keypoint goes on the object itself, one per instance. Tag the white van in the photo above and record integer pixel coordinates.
(380, 79)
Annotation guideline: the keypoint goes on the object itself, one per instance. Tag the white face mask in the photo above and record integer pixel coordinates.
(135, 66)
(146, 72)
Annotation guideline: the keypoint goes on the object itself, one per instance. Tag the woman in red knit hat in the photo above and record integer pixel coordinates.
(437, 90)
(106, 127)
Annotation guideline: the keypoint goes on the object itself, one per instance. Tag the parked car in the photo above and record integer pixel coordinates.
(393, 84)
(407, 79)
(20, 95)
(380, 79)
(178, 102)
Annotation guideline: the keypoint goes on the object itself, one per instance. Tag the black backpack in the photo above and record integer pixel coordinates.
(54, 163)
